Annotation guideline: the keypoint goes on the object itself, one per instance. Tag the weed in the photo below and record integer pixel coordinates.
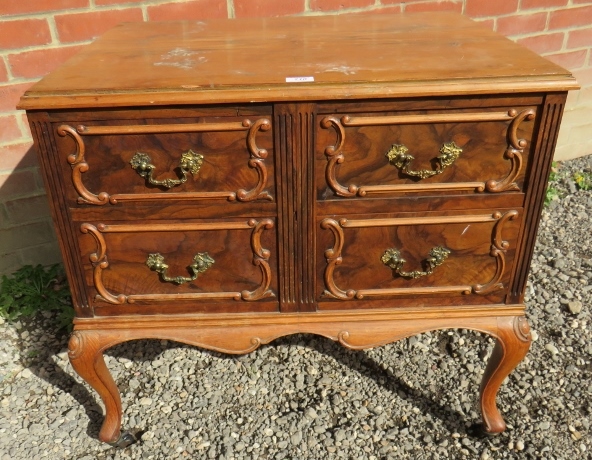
(553, 175)
(552, 193)
(31, 290)
(583, 180)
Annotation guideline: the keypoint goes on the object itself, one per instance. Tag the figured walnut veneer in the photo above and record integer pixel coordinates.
(203, 194)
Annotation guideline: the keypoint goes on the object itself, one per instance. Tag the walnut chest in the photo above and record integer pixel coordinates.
(365, 178)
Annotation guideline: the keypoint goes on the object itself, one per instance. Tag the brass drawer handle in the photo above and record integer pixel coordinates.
(190, 163)
(399, 158)
(392, 258)
(201, 262)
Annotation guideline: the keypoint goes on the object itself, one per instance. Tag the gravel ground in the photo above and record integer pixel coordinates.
(305, 397)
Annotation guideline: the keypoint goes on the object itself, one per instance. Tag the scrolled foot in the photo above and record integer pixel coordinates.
(513, 342)
(125, 439)
(85, 350)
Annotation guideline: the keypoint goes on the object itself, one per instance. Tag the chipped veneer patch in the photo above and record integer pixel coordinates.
(344, 69)
(181, 58)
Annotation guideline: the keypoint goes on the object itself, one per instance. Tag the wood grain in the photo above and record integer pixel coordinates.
(347, 120)
(495, 151)
(478, 264)
(545, 146)
(295, 201)
(190, 62)
(100, 160)
(240, 334)
(512, 344)
(243, 269)
(162, 129)
(294, 143)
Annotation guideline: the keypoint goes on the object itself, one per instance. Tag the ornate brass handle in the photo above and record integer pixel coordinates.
(392, 258)
(190, 163)
(201, 262)
(399, 158)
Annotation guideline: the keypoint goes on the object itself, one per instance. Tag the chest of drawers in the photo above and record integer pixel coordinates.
(365, 178)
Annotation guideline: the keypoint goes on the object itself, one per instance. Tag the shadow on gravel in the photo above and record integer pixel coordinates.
(359, 361)
(43, 361)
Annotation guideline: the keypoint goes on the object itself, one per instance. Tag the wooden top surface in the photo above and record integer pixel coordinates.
(244, 60)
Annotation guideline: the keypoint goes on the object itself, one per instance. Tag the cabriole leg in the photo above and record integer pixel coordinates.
(513, 342)
(85, 350)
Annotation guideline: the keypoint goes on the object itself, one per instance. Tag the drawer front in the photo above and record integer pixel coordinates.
(180, 266)
(203, 158)
(429, 259)
(387, 154)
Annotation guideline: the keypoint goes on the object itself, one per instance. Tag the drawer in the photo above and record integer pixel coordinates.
(213, 158)
(176, 267)
(407, 259)
(393, 153)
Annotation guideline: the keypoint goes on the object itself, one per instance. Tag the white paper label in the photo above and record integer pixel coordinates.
(299, 79)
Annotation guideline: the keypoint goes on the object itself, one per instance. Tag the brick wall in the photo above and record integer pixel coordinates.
(37, 35)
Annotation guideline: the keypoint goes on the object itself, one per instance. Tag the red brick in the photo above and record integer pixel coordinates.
(383, 10)
(3, 71)
(267, 8)
(25, 236)
(385, 2)
(9, 129)
(115, 2)
(583, 76)
(44, 254)
(33, 208)
(9, 263)
(195, 10)
(522, 24)
(86, 26)
(571, 17)
(487, 23)
(547, 43)
(579, 38)
(10, 95)
(24, 32)
(490, 7)
(332, 5)
(29, 209)
(17, 156)
(25, 124)
(438, 6)
(8, 7)
(33, 64)
(531, 4)
(570, 60)
(3, 224)
(18, 183)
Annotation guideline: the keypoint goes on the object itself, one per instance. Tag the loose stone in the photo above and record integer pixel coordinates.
(575, 307)
(551, 349)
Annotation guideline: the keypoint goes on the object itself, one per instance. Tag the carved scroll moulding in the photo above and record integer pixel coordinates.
(334, 258)
(256, 161)
(514, 151)
(100, 262)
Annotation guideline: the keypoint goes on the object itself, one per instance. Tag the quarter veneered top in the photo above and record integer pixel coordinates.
(294, 58)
